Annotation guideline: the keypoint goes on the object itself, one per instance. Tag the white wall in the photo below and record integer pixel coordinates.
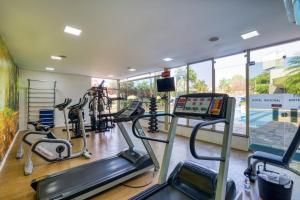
(67, 85)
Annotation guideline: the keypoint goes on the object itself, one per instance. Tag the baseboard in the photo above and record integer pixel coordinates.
(9, 150)
(61, 126)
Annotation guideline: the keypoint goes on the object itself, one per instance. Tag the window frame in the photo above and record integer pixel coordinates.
(247, 53)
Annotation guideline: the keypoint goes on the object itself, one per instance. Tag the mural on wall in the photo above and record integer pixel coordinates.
(8, 99)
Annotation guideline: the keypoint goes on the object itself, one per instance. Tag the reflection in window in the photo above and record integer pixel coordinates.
(230, 78)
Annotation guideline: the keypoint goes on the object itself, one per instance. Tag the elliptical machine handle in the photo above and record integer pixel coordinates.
(82, 103)
(145, 116)
(193, 140)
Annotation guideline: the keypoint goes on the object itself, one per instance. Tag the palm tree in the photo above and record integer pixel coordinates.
(292, 83)
(260, 83)
(224, 85)
(201, 86)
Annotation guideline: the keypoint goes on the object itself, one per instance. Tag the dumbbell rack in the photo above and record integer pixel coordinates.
(41, 101)
(152, 128)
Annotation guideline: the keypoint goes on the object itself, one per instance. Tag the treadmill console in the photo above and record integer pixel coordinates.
(203, 105)
(130, 110)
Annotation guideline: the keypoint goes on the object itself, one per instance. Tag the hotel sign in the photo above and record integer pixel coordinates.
(268, 101)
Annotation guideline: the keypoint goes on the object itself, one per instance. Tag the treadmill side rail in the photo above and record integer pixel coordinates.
(90, 179)
(147, 193)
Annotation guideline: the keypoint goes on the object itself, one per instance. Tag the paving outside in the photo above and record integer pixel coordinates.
(273, 134)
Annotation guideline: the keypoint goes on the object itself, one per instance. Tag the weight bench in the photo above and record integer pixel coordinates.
(272, 159)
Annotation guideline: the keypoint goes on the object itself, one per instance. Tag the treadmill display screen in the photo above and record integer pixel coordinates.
(197, 105)
(216, 106)
(131, 109)
(202, 105)
(134, 105)
(127, 113)
(180, 104)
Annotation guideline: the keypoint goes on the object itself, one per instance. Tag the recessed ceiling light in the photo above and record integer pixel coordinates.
(110, 76)
(131, 69)
(56, 57)
(50, 68)
(168, 59)
(72, 30)
(250, 35)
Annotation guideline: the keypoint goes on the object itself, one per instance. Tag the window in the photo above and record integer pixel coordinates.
(230, 78)
(127, 91)
(145, 90)
(274, 101)
(200, 80)
(141, 90)
(109, 83)
(200, 77)
(179, 74)
(124, 94)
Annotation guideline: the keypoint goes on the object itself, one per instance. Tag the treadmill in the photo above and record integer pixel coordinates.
(191, 181)
(92, 178)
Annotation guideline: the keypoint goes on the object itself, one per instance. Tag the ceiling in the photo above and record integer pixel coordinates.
(117, 34)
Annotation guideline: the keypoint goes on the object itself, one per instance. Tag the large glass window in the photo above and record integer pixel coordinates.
(230, 78)
(124, 91)
(141, 89)
(200, 77)
(274, 101)
(145, 90)
(180, 75)
(200, 80)
(275, 98)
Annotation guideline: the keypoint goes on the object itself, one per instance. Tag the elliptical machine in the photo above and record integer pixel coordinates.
(75, 121)
(42, 131)
(54, 150)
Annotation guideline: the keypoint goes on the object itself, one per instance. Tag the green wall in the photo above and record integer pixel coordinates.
(9, 101)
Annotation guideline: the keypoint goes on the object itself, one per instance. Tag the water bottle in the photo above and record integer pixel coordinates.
(247, 185)
(285, 180)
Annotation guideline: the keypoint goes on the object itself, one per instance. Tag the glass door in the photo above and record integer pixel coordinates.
(274, 98)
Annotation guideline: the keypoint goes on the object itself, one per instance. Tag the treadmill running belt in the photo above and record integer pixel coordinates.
(82, 178)
(169, 192)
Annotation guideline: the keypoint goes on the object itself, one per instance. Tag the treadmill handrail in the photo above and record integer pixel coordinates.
(145, 116)
(193, 140)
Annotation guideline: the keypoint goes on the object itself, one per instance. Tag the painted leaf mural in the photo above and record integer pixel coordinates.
(8, 99)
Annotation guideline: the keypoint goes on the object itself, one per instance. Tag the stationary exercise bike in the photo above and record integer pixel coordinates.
(42, 131)
(54, 150)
